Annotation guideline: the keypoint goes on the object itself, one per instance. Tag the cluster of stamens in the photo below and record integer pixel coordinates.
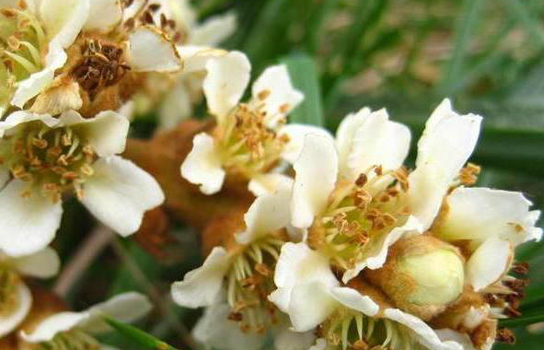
(55, 160)
(9, 298)
(72, 340)
(357, 213)
(100, 66)
(250, 281)
(348, 329)
(248, 147)
(22, 42)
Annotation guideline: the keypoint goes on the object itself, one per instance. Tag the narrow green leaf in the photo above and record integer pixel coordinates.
(531, 24)
(304, 75)
(465, 28)
(521, 321)
(138, 336)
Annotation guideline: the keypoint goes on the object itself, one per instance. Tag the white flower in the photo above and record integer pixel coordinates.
(225, 273)
(310, 294)
(77, 328)
(16, 298)
(67, 155)
(249, 139)
(40, 31)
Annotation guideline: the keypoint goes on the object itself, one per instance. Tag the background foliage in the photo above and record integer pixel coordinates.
(406, 55)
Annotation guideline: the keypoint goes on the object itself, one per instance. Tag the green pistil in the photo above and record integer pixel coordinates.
(71, 340)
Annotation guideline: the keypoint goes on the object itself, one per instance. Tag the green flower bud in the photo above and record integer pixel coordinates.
(423, 275)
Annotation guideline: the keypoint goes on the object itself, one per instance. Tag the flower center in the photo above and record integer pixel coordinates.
(358, 214)
(250, 281)
(100, 66)
(350, 329)
(248, 146)
(22, 42)
(71, 340)
(9, 298)
(55, 160)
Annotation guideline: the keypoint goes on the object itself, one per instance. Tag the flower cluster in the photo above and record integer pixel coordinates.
(351, 249)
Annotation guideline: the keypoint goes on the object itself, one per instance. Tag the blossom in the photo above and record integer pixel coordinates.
(15, 296)
(45, 158)
(240, 274)
(77, 328)
(249, 139)
(63, 55)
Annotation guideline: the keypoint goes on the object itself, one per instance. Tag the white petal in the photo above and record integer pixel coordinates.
(297, 134)
(354, 300)
(104, 15)
(127, 307)
(378, 141)
(28, 224)
(267, 214)
(270, 183)
(461, 338)
(39, 81)
(489, 263)
(345, 134)
(106, 132)
(151, 51)
(297, 265)
(225, 82)
(380, 246)
(281, 96)
(214, 30)
(18, 118)
(316, 173)
(481, 213)
(119, 193)
(43, 264)
(9, 322)
(443, 149)
(425, 335)
(202, 165)
(63, 19)
(286, 339)
(195, 58)
(216, 331)
(175, 107)
(48, 328)
(202, 286)
(310, 305)
(320, 344)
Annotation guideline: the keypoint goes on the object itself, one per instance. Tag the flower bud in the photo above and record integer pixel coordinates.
(422, 276)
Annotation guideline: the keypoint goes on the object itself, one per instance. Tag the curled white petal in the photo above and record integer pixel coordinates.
(443, 149)
(9, 322)
(119, 193)
(104, 15)
(227, 78)
(63, 19)
(48, 328)
(202, 166)
(270, 183)
(489, 263)
(346, 133)
(202, 286)
(297, 134)
(43, 264)
(316, 173)
(214, 30)
(425, 335)
(354, 300)
(151, 51)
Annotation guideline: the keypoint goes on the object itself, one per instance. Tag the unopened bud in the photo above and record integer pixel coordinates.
(423, 275)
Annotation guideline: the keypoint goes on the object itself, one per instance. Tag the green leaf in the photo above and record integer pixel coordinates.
(138, 336)
(304, 76)
(521, 321)
(465, 28)
(530, 23)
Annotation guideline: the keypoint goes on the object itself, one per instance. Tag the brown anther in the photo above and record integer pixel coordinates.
(69, 175)
(147, 17)
(362, 199)
(164, 21)
(63, 160)
(262, 269)
(66, 140)
(86, 170)
(521, 268)
(378, 170)
(235, 316)
(239, 307)
(360, 345)
(9, 13)
(511, 312)
(130, 23)
(284, 108)
(59, 170)
(22, 4)
(504, 335)
(262, 95)
(361, 180)
(154, 7)
(40, 143)
(517, 227)
(517, 284)
(54, 151)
